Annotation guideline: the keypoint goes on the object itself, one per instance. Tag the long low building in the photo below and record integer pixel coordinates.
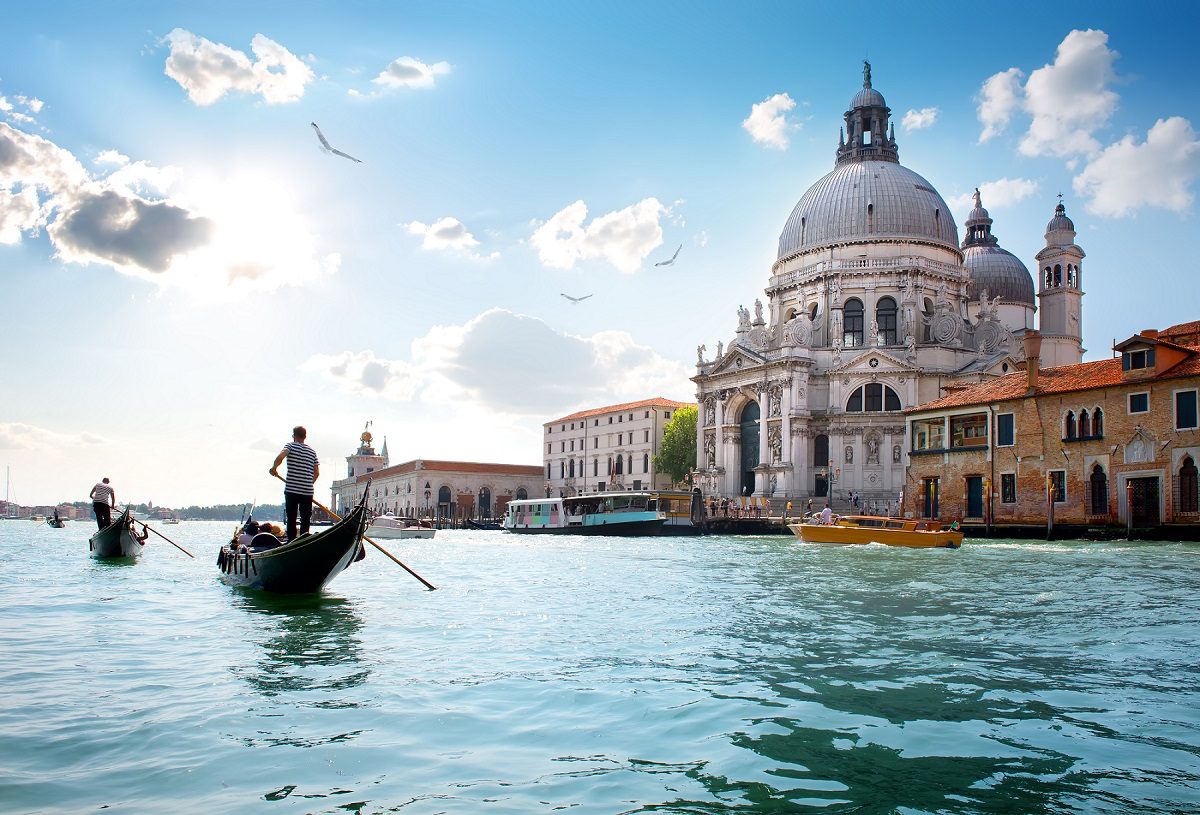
(429, 487)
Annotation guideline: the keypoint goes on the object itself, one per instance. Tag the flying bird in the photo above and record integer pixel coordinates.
(328, 148)
(670, 262)
(575, 299)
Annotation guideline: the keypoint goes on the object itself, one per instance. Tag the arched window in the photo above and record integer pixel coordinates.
(522, 494)
(1072, 276)
(571, 469)
(1189, 500)
(872, 397)
(852, 323)
(595, 466)
(927, 311)
(620, 465)
(1098, 491)
(562, 469)
(444, 495)
(1070, 430)
(645, 462)
(1057, 274)
(1098, 424)
(1049, 277)
(1085, 426)
(821, 451)
(885, 316)
(812, 312)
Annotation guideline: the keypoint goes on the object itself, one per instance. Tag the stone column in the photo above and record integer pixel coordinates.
(764, 448)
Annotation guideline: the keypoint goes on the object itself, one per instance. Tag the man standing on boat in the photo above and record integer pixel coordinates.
(302, 472)
(103, 499)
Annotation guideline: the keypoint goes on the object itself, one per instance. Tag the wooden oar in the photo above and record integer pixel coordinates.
(392, 557)
(161, 535)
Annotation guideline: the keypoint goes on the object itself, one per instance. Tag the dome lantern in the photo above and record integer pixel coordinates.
(867, 126)
(989, 267)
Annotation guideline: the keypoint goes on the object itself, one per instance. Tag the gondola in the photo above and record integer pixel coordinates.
(118, 539)
(55, 522)
(473, 524)
(305, 564)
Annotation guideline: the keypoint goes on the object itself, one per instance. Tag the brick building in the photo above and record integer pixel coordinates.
(1105, 438)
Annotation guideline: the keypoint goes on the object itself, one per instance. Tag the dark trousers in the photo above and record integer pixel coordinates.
(103, 514)
(293, 503)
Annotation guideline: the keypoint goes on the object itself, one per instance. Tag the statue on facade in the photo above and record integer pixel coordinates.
(743, 319)
(849, 454)
(910, 348)
(837, 350)
(910, 288)
(720, 349)
(710, 450)
(710, 412)
(867, 76)
(700, 349)
(774, 400)
(775, 440)
(942, 294)
(988, 310)
(835, 289)
(774, 482)
(895, 454)
(873, 336)
(758, 318)
(872, 450)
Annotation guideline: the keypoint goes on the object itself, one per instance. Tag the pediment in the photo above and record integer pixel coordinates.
(736, 359)
(884, 361)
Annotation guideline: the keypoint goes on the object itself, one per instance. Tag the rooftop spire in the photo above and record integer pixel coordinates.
(868, 134)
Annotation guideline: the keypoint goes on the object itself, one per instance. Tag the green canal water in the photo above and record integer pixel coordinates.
(604, 675)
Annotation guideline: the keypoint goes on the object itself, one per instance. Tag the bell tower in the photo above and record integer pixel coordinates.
(1060, 292)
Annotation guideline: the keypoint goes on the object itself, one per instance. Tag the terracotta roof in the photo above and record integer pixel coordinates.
(1102, 373)
(478, 468)
(1176, 331)
(657, 401)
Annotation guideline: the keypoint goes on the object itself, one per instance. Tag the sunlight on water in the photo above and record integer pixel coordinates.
(604, 675)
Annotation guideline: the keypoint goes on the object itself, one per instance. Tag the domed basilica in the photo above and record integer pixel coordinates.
(873, 307)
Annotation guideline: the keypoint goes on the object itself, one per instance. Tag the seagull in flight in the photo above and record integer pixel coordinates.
(575, 299)
(328, 148)
(670, 262)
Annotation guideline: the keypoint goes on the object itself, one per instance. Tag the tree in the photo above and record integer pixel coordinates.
(677, 454)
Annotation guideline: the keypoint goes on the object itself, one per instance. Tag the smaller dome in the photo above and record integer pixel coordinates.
(868, 98)
(1060, 222)
(998, 271)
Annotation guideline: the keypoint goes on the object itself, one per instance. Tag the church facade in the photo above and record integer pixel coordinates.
(874, 306)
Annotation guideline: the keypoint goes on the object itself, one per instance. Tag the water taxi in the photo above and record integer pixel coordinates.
(684, 511)
(610, 513)
(871, 529)
(392, 527)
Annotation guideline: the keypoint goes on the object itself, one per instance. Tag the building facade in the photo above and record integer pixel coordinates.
(873, 306)
(607, 448)
(431, 488)
(1115, 441)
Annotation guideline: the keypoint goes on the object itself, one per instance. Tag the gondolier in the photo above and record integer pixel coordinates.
(104, 498)
(303, 470)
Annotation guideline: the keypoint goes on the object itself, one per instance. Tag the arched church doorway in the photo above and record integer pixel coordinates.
(749, 432)
(820, 465)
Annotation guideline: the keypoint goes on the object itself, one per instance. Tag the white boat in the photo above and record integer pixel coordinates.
(610, 513)
(389, 526)
(170, 520)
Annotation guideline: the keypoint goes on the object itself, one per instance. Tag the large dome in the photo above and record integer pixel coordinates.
(868, 201)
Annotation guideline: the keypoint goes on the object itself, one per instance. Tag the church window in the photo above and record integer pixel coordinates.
(885, 316)
(1072, 276)
(853, 323)
(1098, 424)
(1189, 495)
(873, 397)
(1057, 275)
(1085, 424)
(1070, 428)
(522, 494)
(1049, 278)
(927, 310)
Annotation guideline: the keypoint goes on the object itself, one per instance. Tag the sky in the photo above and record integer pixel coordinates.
(186, 275)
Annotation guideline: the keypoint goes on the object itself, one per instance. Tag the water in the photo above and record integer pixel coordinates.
(602, 675)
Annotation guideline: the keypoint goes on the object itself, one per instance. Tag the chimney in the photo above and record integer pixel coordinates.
(1032, 341)
(1150, 333)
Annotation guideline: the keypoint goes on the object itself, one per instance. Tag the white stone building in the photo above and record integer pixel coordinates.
(431, 488)
(607, 448)
(873, 306)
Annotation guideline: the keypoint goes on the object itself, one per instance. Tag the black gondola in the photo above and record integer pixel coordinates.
(118, 539)
(305, 564)
(55, 522)
(473, 524)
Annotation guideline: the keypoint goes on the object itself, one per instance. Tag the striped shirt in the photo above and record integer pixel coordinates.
(102, 493)
(301, 464)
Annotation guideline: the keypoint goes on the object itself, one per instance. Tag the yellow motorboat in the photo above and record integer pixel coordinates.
(870, 529)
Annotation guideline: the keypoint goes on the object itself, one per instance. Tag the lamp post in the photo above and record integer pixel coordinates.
(1049, 506)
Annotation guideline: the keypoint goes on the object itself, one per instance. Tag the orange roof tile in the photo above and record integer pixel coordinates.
(1084, 376)
(1183, 328)
(657, 401)
(478, 468)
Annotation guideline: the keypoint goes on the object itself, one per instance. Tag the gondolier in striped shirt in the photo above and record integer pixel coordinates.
(302, 472)
(103, 499)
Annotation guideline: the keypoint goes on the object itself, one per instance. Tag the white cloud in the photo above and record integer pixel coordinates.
(20, 109)
(447, 234)
(768, 124)
(212, 234)
(111, 157)
(999, 97)
(1069, 100)
(919, 119)
(1157, 173)
(1002, 192)
(209, 70)
(624, 238)
(470, 368)
(409, 72)
(21, 436)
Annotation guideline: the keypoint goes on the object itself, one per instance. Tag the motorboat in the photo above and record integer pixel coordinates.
(393, 527)
(609, 513)
(919, 533)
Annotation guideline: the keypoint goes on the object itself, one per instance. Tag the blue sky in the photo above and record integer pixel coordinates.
(186, 275)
